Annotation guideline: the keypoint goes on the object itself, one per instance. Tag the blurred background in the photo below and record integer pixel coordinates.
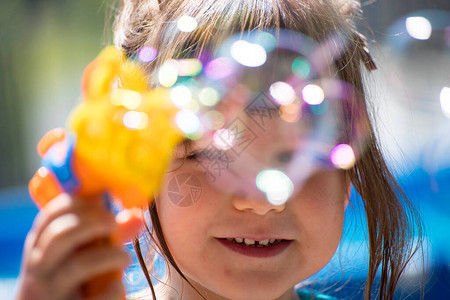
(45, 45)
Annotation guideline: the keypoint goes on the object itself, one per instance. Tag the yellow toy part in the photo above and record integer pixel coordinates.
(125, 133)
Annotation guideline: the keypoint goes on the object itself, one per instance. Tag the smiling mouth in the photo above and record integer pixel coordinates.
(260, 249)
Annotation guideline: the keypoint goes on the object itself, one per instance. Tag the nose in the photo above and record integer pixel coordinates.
(257, 205)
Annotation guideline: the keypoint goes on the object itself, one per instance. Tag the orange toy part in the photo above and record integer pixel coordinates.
(49, 139)
(125, 135)
(43, 187)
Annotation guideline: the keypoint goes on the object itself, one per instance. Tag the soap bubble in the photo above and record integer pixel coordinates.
(420, 29)
(416, 62)
(147, 54)
(282, 114)
(187, 24)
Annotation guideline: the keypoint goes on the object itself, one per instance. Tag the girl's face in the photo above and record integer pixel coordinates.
(207, 228)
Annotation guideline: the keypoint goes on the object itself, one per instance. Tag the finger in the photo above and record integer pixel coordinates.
(28, 246)
(68, 233)
(87, 264)
(129, 223)
(61, 205)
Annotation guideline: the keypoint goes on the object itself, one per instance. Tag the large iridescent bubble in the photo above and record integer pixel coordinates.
(420, 45)
(266, 112)
(414, 71)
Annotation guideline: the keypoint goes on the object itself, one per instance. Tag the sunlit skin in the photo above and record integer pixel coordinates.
(312, 219)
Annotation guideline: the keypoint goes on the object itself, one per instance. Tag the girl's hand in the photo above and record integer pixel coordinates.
(60, 256)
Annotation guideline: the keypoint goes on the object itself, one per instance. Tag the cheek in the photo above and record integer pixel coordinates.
(184, 207)
(320, 210)
(182, 189)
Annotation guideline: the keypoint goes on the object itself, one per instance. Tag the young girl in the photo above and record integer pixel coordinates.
(230, 242)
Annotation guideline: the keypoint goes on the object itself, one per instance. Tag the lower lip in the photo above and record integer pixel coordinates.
(261, 252)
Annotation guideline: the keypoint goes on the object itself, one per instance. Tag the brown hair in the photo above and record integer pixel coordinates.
(391, 219)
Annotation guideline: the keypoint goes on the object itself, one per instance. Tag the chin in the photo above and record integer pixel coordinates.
(258, 294)
(256, 290)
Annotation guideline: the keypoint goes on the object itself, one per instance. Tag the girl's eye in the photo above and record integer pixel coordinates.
(192, 156)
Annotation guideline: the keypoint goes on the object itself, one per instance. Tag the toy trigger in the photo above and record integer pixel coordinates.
(43, 187)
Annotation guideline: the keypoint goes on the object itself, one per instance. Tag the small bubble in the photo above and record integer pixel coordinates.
(320, 109)
(135, 120)
(214, 120)
(301, 68)
(342, 156)
(224, 139)
(127, 98)
(313, 94)
(189, 67)
(267, 40)
(187, 121)
(290, 113)
(248, 54)
(418, 28)
(168, 74)
(282, 92)
(181, 96)
(147, 54)
(209, 96)
(219, 68)
(277, 186)
(187, 24)
(42, 171)
(444, 98)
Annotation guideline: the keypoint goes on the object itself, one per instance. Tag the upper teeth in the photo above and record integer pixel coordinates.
(264, 242)
(249, 242)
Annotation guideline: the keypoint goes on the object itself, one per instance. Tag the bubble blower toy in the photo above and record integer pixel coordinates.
(121, 140)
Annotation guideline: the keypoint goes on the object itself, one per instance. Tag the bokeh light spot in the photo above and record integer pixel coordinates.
(277, 186)
(189, 67)
(168, 74)
(135, 120)
(301, 68)
(213, 119)
(208, 96)
(267, 40)
(181, 96)
(290, 113)
(147, 54)
(187, 121)
(219, 68)
(187, 24)
(320, 109)
(342, 156)
(313, 94)
(418, 28)
(248, 54)
(224, 139)
(282, 92)
(42, 171)
(127, 98)
(444, 98)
